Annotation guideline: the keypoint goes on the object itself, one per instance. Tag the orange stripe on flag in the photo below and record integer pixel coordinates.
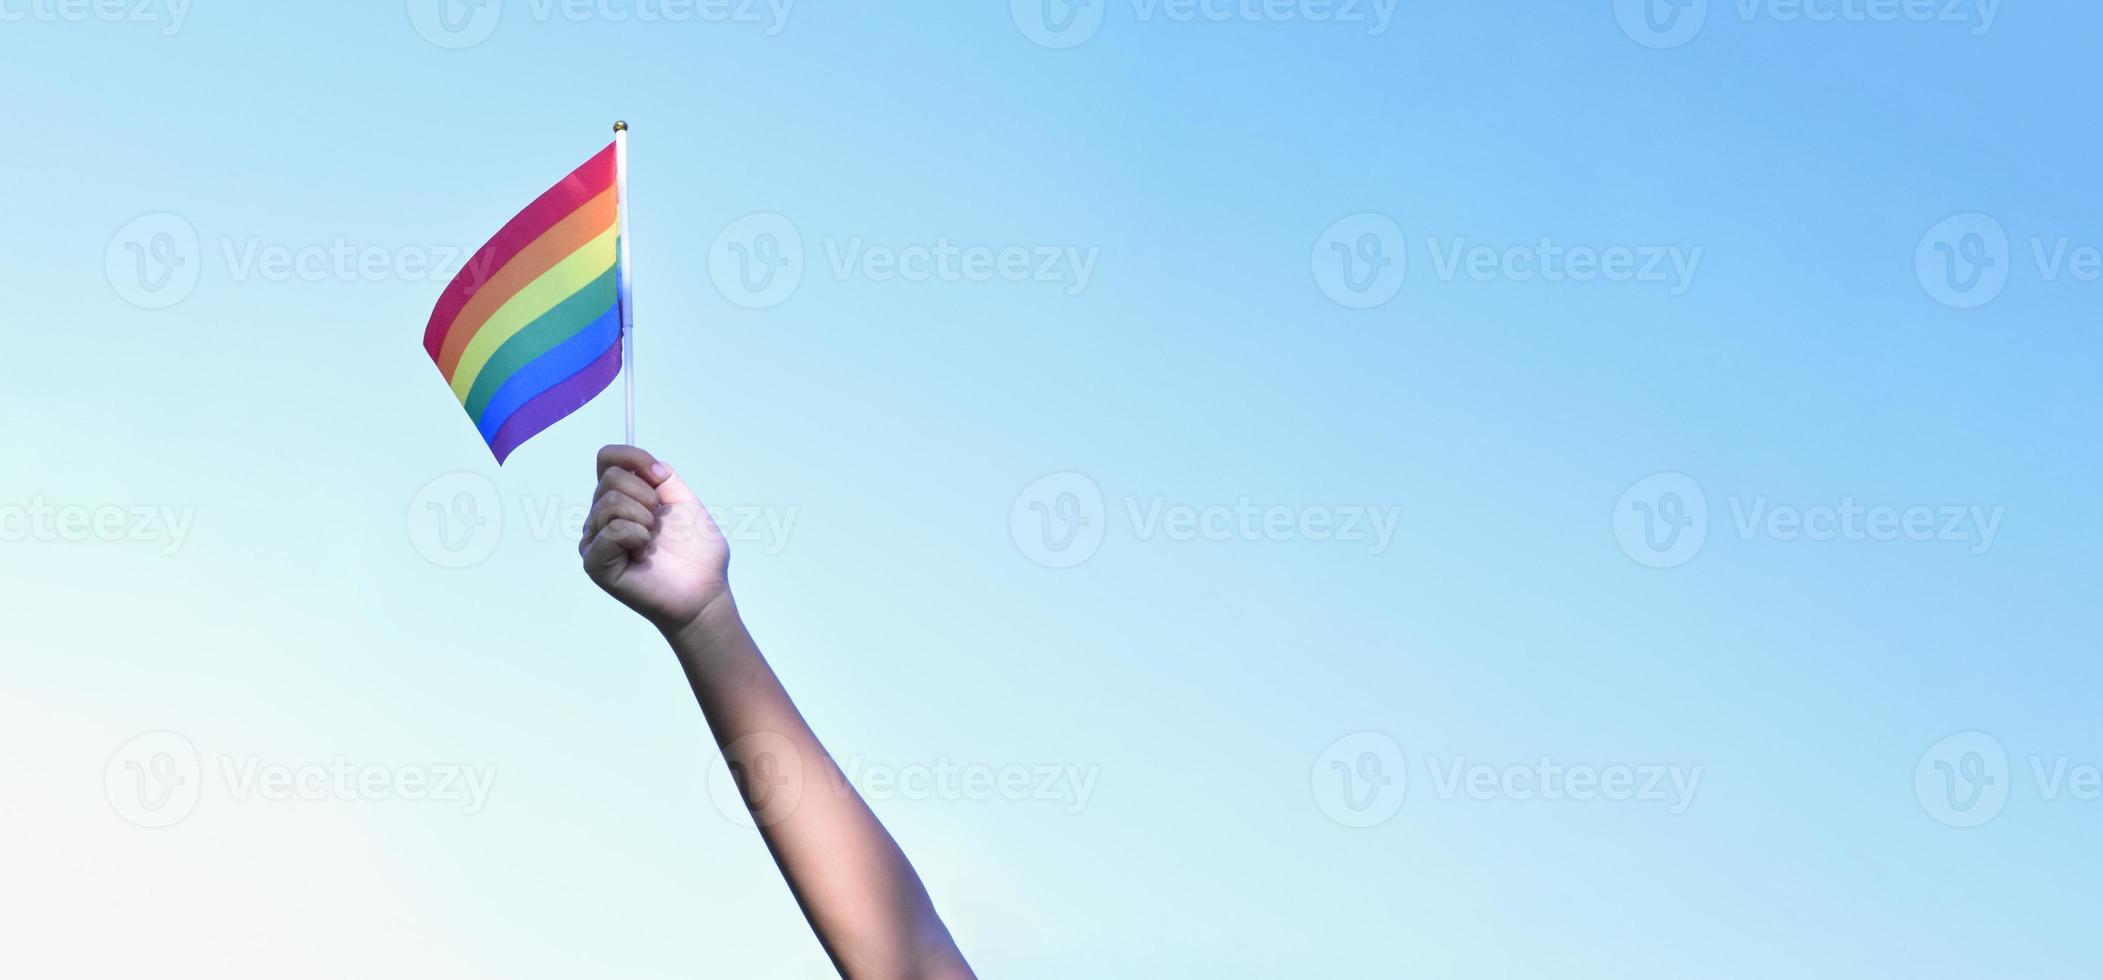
(589, 221)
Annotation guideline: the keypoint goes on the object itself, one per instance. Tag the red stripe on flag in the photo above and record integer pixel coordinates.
(559, 202)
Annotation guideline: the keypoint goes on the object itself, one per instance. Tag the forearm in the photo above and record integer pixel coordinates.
(853, 882)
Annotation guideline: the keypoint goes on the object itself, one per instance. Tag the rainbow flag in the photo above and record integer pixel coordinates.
(530, 329)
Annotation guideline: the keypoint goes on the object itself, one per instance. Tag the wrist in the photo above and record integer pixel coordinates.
(710, 630)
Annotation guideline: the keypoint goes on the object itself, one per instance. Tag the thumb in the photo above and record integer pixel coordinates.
(671, 487)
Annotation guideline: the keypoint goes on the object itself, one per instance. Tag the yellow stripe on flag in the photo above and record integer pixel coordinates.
(538, 297)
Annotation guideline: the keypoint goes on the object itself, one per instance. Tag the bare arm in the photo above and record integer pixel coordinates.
(651, 544)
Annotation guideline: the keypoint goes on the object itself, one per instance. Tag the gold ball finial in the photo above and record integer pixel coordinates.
(620, 125)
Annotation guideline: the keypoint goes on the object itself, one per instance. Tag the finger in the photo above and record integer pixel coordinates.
(654, 471)
(615, 506)
(609, 552)
(628, 458)
(622, 481)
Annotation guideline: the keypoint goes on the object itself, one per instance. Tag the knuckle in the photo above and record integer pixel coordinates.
(623, 481)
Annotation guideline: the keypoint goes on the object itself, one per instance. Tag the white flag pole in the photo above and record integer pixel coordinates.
(622, 240)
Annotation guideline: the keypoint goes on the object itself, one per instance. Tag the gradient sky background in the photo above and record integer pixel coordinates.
(299, 425)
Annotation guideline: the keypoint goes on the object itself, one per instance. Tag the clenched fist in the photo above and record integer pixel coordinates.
(650, 543)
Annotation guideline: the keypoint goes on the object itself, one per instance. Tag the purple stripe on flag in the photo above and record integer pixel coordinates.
(555, 404)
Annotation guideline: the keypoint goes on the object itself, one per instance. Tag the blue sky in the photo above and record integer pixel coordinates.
(1261, 429)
